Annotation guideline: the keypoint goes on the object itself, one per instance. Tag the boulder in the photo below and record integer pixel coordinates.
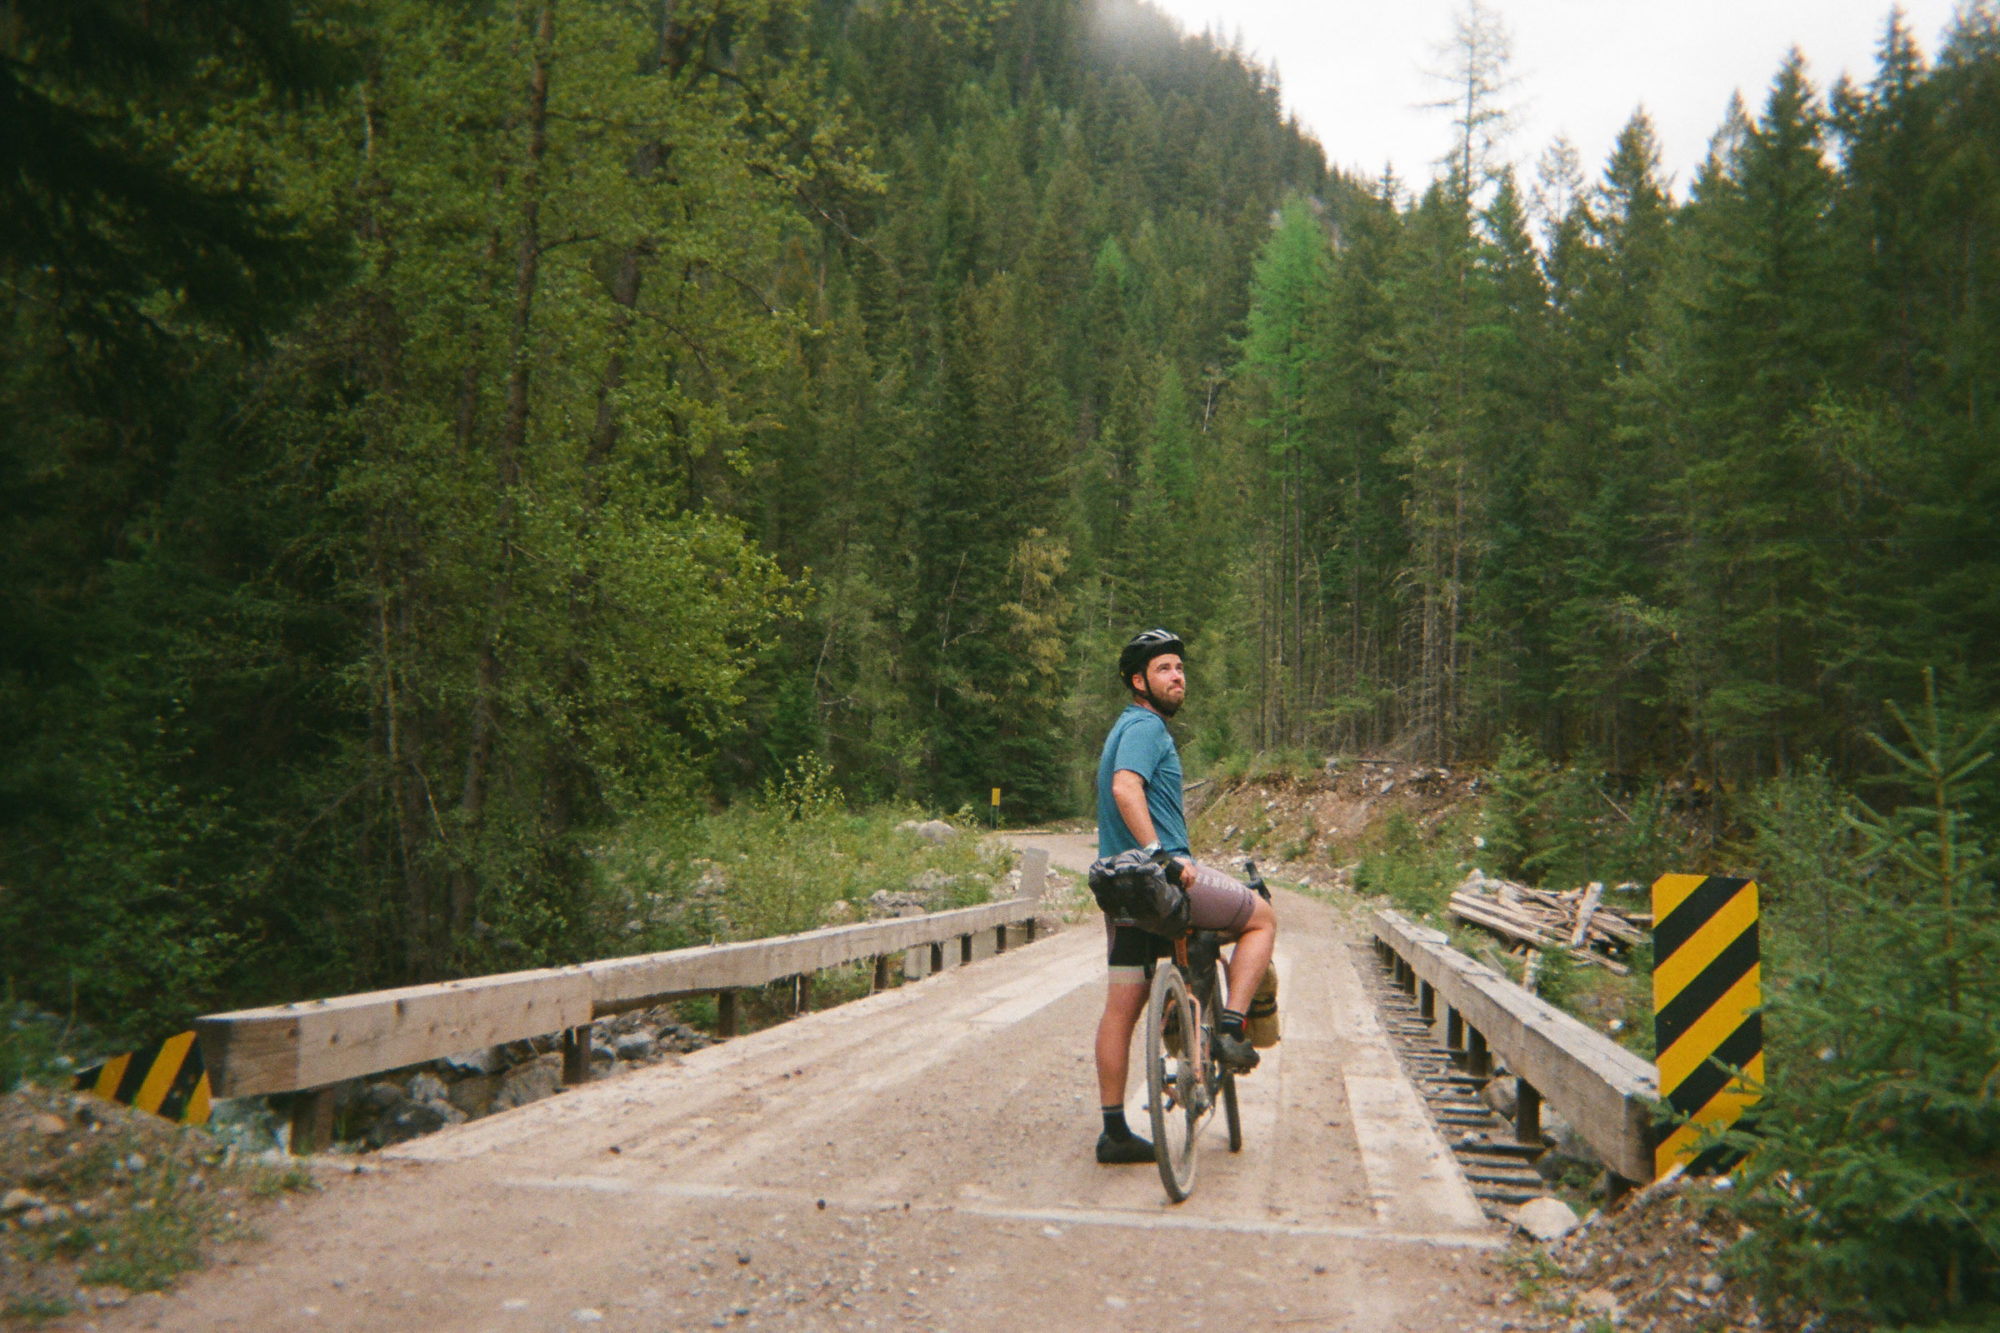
(1567, 1150)
(474, 1094)
(377, 1098)
(428, 1087)
(931, 881)
(930, 830)
(1545, 1218)
(1501, 1095)
(415, 1118)
(883, 903)
(491, 1060)
(635, 1046)
(530, 1082)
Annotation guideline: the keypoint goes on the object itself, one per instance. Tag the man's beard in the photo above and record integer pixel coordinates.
(1161, 706)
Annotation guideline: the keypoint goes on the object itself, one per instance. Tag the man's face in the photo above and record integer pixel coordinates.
(1165, 684)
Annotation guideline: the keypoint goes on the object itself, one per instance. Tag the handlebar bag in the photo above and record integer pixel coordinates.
(1133, 890)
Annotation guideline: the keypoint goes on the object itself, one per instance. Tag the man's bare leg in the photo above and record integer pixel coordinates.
(1248, 959)
(1124, 1001)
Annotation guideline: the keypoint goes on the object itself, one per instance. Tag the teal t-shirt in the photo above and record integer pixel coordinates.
(1139, 741)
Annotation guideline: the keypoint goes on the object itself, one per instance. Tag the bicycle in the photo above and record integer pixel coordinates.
(1185, 1082)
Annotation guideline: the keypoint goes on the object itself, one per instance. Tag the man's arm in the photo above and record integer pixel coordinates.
(1128, 793)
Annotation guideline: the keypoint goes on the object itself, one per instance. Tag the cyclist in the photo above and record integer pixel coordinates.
(1139, 806)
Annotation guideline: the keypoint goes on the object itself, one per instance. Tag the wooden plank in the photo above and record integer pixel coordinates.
(652, 978)
(1591, 896)
(1601, 1088)
(284, 1048)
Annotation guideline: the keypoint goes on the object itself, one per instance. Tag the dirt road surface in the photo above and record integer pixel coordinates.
(919, 1159)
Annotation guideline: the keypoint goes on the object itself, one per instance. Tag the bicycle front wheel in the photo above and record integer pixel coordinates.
(1174, 1094)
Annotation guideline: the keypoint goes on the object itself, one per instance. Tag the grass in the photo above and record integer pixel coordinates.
(130, 1201)
(793, 859)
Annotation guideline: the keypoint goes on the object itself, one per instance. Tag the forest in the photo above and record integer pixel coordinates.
(438, 437)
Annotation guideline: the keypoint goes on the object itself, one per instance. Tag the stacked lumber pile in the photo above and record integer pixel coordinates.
(1577, 921)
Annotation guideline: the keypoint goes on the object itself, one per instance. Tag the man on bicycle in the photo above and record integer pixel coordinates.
(1139, 806)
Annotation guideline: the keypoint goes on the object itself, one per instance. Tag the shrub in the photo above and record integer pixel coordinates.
(1874, 1184)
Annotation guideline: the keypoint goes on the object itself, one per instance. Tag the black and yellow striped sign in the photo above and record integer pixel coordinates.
(1707, 991)
(165, 1078)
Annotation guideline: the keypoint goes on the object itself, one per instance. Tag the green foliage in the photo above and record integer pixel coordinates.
(1414, 869)
(1867, 1185)
(793, 858)
(1560, 825)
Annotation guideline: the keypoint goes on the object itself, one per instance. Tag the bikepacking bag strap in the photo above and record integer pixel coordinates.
(1134, 890)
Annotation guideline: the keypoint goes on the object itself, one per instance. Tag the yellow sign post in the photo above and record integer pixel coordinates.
(166, 1078)
(1707, 994)
(996, 807)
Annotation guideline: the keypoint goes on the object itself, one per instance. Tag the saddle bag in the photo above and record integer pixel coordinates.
(1133, 890)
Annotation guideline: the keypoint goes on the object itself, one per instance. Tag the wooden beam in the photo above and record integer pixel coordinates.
(310, 1044)
(657, 977)
(1601, 1088)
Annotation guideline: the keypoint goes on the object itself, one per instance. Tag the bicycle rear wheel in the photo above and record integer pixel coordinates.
(1173, 1091)
(1230, 1113)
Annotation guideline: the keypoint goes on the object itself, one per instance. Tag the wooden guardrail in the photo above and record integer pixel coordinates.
(308, 1047)
(1605, 1091)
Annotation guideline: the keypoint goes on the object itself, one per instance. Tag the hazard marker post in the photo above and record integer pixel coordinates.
(1707, 998)
(996, 807)
(166, 1078)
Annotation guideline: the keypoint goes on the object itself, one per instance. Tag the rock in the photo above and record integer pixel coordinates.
(1599, 1303)
(635, 1046)
(50, 1125)
(883, 903)
(530, 1082)
(931, 881)
(1229, 834)
(680, 1037)
(428, 1087)
(1566, 1148)
(492, 1060)
(838, 911)
(415, 1118)
(1501, 1095)
(20, 1201)
(474, 1095)
(379, 1097)
(1712, 1283)
(1545, 1218)
(930, 830)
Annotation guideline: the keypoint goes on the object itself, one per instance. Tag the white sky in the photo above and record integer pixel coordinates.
(1354, 72)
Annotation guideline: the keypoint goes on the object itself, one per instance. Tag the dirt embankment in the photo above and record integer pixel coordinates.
(1312, 827)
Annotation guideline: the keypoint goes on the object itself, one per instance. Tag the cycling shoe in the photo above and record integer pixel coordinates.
(1128, 1151)
(1235, 1053)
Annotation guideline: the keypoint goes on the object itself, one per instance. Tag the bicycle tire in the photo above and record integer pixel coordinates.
(1175, 1119)
(1229, 1111)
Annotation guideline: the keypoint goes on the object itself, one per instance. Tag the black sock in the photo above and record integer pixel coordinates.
(1232, 1023)
(1114, 1122)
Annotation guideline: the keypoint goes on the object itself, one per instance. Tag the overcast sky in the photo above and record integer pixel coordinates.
(1354, 70)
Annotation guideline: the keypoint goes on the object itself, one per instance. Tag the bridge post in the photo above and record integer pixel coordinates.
(1527, 1112)
(1454, 1030)
(1478, 1059)
(725, 1013)
(1426, 1002)
(576, 1055)
(881, 973)
(964, 950)
(312, 1120)
(1000, 938)
(804, 993)
(937, 957)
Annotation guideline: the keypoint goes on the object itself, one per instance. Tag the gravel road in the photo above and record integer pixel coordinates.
(919, 1159)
